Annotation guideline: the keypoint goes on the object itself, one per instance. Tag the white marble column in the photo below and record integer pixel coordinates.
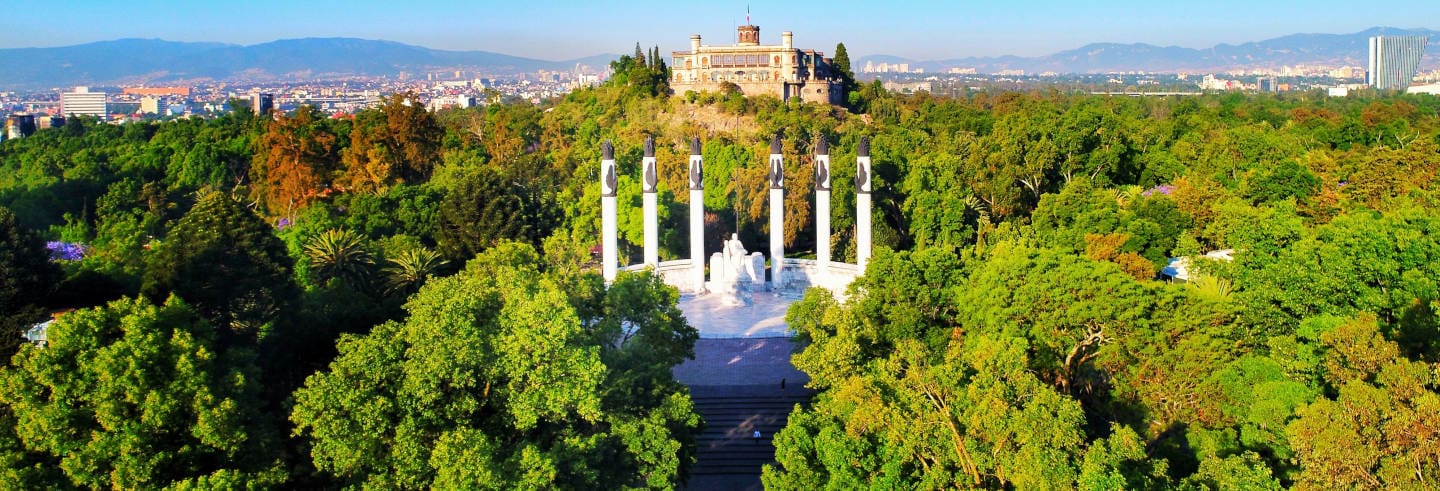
(649, 180)
(697, 216)
(608, 227)
(862, 205)
(777, 214)
(822, 206)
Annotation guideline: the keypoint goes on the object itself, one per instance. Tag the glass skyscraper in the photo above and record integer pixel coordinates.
(1394, 61)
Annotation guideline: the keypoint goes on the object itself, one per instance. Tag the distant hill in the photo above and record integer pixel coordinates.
(1295, 49)
(159, 61)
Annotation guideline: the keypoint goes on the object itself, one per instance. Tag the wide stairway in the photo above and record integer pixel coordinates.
(736, 387)
(732, 416)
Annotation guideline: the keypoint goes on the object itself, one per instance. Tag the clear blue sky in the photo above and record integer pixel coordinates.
(919, 29)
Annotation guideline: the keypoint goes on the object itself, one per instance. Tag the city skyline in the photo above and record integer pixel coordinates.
(927, 30)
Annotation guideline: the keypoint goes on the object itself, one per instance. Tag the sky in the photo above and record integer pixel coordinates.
(562, 30)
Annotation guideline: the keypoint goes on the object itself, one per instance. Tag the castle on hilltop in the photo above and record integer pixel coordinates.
(779, 70)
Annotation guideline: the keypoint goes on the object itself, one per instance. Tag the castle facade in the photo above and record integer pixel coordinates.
(780, 70)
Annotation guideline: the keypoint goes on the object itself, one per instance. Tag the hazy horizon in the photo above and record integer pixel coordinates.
(926, 30)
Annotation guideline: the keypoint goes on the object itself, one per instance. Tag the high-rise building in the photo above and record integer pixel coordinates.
(262, 103)
(1394, 61)
(83, 102)
(154, 105)
(19, 126)
(47, 122)
(1267, 84)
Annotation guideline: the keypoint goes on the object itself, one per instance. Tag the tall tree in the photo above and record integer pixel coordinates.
(491, 382)
(227, 263)
(294, 161)
(397, 142)
(841, 62)
(1381, 431)
(26, 276)
(488, 208)
(978, 418)
(136, 395)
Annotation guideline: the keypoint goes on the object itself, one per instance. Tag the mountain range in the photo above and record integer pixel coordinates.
(154, 61)
(1294, 49)
(125, 61)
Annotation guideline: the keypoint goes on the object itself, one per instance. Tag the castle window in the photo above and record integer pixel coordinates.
(704, 61)
(777, 60)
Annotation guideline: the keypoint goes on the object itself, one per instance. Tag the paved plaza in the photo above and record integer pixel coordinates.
(717, 317)
(757, 361)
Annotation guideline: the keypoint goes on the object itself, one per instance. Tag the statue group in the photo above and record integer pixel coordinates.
(735, 273)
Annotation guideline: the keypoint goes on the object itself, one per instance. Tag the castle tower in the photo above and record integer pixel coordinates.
(609, 231)
(777, 213)
(747, 35)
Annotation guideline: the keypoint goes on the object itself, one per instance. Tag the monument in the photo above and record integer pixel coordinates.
(697, 216)
(739, 297)
(862, 204)
(822, 206)
(649, 184)
(609, 228)
(735, 274)
(777, 213)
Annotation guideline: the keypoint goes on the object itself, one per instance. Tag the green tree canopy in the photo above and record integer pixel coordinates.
(26, 276)
(136, 395)
(494, 382)
(227, 263)
(488, 208)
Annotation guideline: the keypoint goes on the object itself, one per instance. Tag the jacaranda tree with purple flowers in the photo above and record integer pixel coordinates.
(65, 251)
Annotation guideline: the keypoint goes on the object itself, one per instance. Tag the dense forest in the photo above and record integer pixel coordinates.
(401, 299)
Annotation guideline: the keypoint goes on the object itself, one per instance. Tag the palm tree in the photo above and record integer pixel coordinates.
(339, 253)
(409, 269)
(1210, 287)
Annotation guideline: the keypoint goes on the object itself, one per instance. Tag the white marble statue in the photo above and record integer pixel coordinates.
(734, 253)
(735, 271)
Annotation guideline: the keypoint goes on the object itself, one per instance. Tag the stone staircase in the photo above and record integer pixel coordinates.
(728, 456)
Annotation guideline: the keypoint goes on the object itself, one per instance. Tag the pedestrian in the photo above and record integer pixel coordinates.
(757, 437)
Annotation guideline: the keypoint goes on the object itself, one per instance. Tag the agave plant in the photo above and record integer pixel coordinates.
(339, 253)
(409, 269)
